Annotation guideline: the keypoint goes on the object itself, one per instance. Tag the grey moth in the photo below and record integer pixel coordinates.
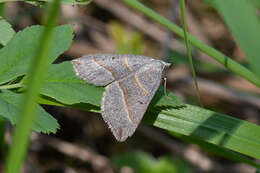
(130, 83)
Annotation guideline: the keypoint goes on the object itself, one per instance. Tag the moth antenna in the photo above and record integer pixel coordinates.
(164, 86)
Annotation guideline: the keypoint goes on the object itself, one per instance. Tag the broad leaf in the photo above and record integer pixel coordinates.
(17, 54)
(62, 84)
(9, 109)
(6, 32)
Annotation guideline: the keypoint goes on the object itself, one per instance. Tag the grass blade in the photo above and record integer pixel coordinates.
(182, 5)
(215, 128)
(27, 114)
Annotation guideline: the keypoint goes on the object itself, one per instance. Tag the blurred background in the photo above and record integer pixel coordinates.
(85, 144)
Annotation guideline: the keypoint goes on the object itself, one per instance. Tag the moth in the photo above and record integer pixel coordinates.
(130, 83)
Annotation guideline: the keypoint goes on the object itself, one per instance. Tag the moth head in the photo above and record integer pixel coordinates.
(165, 65)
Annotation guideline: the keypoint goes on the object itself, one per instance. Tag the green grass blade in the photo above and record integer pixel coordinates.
(26, 118)
(218, 56)
(215, 128)
(243, 21)
(182, 6)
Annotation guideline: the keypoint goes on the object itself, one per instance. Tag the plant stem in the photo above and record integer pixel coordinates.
(213, 53)
(28, 108)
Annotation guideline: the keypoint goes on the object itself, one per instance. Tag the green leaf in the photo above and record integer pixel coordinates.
(62, 84)
(160, 100)
(17, 54)
(6, 32)
(243, 21)
(50, 101)
(9, 109)
(209, 126)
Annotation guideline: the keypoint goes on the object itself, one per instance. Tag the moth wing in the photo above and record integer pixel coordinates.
(125, 101)
(102, 69)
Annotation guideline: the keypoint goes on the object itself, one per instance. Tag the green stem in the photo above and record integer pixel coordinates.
(182, 5)
(218, 56)
(17, 85)
(38, 68)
